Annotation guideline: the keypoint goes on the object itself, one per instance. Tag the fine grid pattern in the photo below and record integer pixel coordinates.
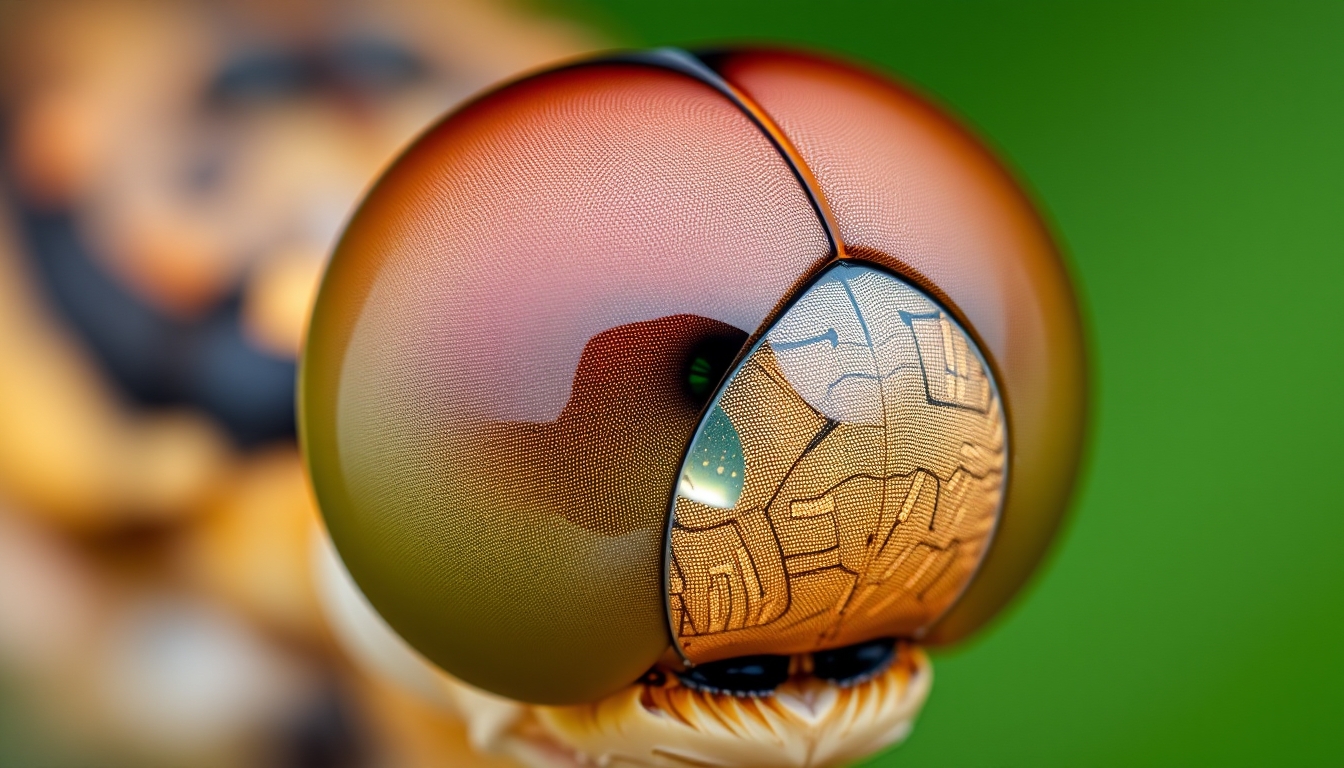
(521, 292)
(913, 191)
(846, 480)
(493, 415)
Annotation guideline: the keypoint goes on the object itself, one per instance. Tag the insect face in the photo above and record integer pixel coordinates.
(728, 359)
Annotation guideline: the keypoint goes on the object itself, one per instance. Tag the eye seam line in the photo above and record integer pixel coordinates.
(693, 66)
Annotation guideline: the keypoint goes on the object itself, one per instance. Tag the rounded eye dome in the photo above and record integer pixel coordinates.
(845, 482)
(756, 353)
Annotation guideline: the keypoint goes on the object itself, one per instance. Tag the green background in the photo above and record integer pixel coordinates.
(1191, 158)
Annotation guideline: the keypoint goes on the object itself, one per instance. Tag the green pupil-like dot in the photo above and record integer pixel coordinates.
(698, 379)
(706, 363)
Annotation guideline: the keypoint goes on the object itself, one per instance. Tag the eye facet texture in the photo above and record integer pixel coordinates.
(499, 388)
(494, 406)
(846, 481)
(913, 191)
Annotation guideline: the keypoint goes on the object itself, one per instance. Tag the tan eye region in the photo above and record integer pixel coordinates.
(845, 481)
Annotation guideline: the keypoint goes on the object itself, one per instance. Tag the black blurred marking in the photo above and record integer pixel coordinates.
(742, 676)
(855, 663)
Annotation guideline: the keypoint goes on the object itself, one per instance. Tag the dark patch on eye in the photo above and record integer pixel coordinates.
(609, 461)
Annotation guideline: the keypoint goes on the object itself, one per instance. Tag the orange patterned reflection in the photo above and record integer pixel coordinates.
(844, 483)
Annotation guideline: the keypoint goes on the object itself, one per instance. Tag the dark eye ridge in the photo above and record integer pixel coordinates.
(855, 663)
(742, 676)
(761, 675)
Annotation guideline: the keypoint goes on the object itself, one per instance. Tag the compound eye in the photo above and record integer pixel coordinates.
(511, 350)
(845, 481)
(545, 449)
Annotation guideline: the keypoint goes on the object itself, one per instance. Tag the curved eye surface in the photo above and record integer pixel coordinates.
(500, 380)
(845, 482)
(913, 191)
(507, 373)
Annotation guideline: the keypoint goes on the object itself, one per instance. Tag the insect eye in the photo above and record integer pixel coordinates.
(845, 480)
(545, 450)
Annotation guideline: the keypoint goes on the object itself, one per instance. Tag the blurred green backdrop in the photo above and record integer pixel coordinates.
(1191, 157)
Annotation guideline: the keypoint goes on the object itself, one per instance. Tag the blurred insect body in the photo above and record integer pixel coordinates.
(172, 177)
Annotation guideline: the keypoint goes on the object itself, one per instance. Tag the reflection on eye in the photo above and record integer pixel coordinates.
(845, 481)
(713, 472)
